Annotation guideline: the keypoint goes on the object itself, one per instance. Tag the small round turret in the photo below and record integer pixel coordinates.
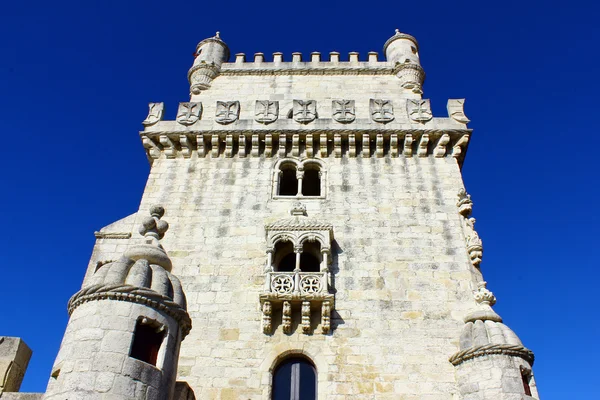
(403, 51)
(210, 54)
(126, 327)
(488, 346)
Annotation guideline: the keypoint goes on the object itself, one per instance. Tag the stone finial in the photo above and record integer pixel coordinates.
(397, 31)
(483, 295)
(153, 227)
(298, 209)
(485, 300)
(218, 35)
(464, 204)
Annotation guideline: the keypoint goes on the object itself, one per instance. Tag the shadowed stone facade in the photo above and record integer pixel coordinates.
(317, 209)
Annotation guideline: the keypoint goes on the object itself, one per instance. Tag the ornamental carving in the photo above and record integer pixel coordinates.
(189, 113)
(419, 110)
(305, 111)
(473, 241)
(155, 113)
(266, 111)
(456, 110)
(227, 111)
(310, 289)
(343, 111)
(381, 110)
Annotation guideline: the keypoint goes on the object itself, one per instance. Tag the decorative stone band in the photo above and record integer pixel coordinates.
(492, 349)
(112, 235)
(364, 143)
(309, 225)
(308, 68)
(133, 294)
(274, 296)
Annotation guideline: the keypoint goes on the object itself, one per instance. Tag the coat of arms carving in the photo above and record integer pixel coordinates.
(419, 110)
(343, 110)
(227, 111)
(266, 111)
(305, 111)
(189, 113)
(456, 110)
(155, 113)
(381, 110)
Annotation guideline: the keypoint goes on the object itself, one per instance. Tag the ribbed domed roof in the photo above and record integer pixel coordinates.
(481, 333)
(141, 274)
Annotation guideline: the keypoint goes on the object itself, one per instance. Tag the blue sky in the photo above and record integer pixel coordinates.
(76, 77)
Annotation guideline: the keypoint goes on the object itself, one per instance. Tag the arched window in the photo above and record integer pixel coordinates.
(288, 182)
(310, 259)
(147, 339)
(295, 379)
(311, 182)
(285, 258)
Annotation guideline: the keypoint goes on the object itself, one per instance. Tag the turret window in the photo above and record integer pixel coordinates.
(299, 179)
(295, 379)
(526, 377)
(147, 339)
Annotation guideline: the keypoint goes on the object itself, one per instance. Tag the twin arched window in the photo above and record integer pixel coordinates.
(286, 259)
(295, 379)
(299, 179)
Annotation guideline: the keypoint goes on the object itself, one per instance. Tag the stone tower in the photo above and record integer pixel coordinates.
(323, 237)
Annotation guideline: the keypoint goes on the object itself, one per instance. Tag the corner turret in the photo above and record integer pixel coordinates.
(402, 50)
(126, 327)
(492, 361)
(210, 54)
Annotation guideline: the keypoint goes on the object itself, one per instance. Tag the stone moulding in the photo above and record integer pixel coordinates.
(340, 142)
(133, 294)
(308, 68)
(112, 235)
(493, 349)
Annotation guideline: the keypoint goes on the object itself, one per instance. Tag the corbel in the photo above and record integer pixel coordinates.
(408, 140)
(337, 145)
(169, 147)
(422, 152)
(394, 145)
(366, 146)
(440, 148)
(379, 145)
(255, 145)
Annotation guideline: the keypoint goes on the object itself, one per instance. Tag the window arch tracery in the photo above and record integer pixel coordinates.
(300, 179)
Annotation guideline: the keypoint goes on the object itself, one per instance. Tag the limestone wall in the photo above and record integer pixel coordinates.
(402, 277)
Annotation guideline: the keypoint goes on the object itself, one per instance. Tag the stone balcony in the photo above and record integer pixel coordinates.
(309, 290)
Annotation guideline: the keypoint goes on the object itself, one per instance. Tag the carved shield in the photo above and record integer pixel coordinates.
(343, 110)
(227, 111)
(155, 113)
(419, 110)
(381, 110)
(456, 110)
(189, 113)
(305, 111)
(266, 111)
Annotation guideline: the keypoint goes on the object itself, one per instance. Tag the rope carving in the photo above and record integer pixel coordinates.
(133, 294)
(489, 349)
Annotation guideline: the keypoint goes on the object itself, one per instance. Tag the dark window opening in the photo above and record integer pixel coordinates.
(526, 377)
(147, 340)
(310, 259)
(295, 379)
(309, 263)
(288, 184)
(285, 258)
(311, 183)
